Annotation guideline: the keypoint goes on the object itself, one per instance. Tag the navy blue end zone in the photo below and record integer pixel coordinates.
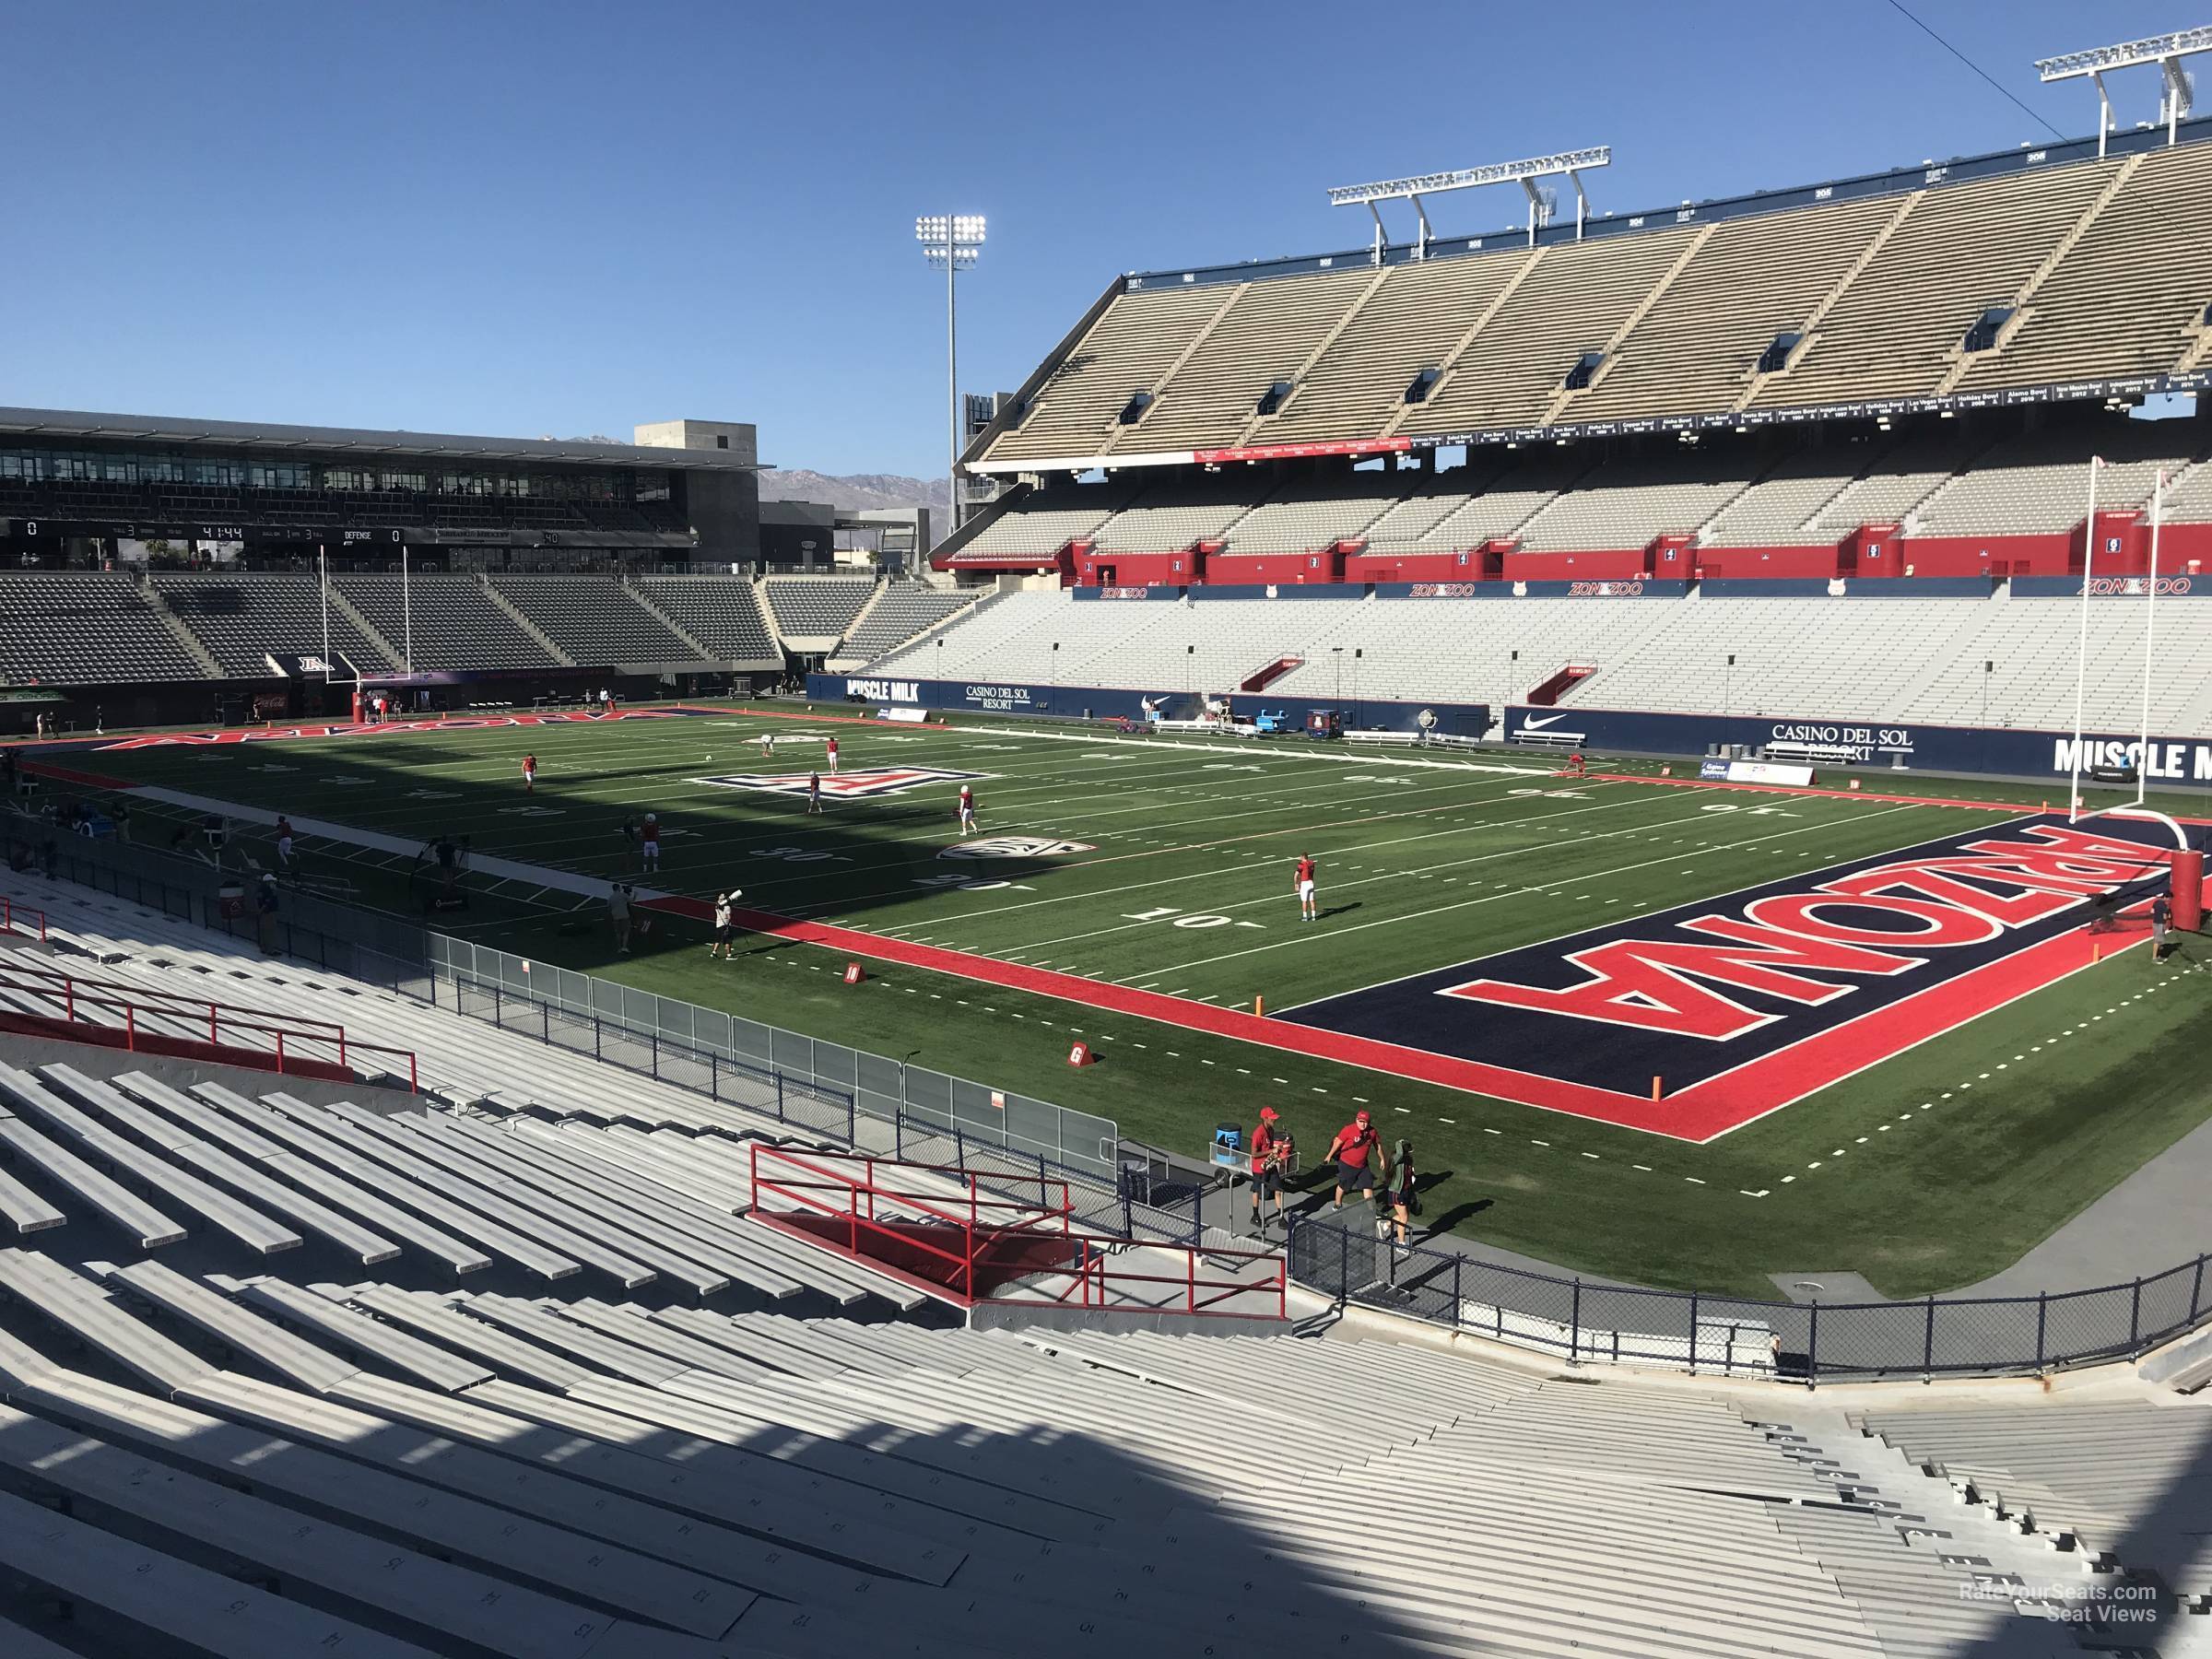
(1705, 988)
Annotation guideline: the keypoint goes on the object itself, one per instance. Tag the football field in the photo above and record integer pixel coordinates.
(1577, 996)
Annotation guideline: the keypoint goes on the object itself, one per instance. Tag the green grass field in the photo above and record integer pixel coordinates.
(1924, 1172)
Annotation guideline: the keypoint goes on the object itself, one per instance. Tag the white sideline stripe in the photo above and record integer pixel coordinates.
(715, 845)
(1415, 873)
(507, 870)
(1492, 898)
(1325, 757)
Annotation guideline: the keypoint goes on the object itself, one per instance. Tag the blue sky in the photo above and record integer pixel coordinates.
(563, 218)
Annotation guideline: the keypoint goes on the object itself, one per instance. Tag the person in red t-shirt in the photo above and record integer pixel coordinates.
(1270, 1147)
(1355, 1152)
(529, 774)
(1308, 909)
(832, 756)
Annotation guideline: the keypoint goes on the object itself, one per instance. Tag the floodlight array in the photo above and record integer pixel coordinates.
(2127, 55)
(2165, 51)
(1567, 164)
(955, 236)
(1467, 178)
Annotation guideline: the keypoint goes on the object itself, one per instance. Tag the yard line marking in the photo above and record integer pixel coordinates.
(993, 913)
(1464, 903)
(1124, 927)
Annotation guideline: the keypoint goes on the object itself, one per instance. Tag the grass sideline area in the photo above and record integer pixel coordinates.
(1167, 865)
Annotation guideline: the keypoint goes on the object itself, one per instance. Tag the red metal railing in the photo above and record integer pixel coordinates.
(15, 917)
(293, 1044)
(954, 1239)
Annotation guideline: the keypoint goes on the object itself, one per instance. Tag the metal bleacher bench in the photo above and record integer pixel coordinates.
(1553, 740)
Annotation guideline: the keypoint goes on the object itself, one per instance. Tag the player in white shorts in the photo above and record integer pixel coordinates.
(967, 810)
(1308, 906)
(833, 752)
(649, 842)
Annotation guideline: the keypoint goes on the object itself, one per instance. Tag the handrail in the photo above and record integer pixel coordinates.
(152, 997)
(73, 993)
(11, 908)
(1093, 1273)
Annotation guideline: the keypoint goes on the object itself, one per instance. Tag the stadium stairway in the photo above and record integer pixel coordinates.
(393, 657)
(1964, 362)
(2115, 1486)
(637, 591)
(515, 614)
(184, 637)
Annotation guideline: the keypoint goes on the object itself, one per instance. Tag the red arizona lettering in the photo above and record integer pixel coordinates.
(1927, 879)
(1800, 912)
(2044, 874)
(1650, 983)
(2072, 846)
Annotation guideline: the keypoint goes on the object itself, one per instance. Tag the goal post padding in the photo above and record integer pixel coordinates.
(2189, 890)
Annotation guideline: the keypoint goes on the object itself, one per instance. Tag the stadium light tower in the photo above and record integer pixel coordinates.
(2166, 50)
(1567, 164)
(954, 241)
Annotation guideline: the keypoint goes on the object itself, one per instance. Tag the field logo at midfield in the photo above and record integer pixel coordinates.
(1015, 846)
(1718, 999)
(867, 784)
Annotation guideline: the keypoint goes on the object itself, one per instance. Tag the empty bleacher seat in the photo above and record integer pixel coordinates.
(242, 619)
(817, 606)
(905, 609)
(594, 620)
(723, 613)
(452, 622)
(66, 627)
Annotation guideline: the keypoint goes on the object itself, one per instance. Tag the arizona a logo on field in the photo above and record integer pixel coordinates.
(1015, 846)
(867, 784)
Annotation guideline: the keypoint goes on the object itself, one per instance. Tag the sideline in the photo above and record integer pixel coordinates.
(2016, 807)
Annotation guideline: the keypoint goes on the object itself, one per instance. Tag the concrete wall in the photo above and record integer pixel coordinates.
(740, 439)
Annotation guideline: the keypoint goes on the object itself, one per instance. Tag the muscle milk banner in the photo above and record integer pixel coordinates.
(2173, 763)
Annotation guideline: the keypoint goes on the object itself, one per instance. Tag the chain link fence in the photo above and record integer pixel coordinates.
(803, 1081)
(1588, 1321)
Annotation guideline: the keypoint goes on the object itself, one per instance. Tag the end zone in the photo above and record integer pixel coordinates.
(1694, 1021)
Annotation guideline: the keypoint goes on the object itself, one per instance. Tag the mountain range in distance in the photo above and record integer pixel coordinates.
(854, 491)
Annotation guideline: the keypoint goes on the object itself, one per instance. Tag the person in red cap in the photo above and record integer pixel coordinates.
(1354, 1151)
(1270, 1147)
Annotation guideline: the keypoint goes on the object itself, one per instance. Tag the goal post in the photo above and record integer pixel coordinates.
(2185, 863)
